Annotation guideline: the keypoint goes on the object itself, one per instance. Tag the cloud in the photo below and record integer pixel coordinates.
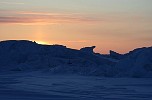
(15, 20)
(20, 17)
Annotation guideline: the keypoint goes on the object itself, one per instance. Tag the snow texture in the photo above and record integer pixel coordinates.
(23, 56)
(44, 86)
(31, 71)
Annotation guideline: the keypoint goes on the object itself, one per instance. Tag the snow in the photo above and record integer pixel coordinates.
(136, 64)
(30, 71)
(88, 49)
(23, 55)
(45, 86)
(115, 55)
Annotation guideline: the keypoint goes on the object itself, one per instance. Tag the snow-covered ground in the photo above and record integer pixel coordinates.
(45, 86)
(30, 71)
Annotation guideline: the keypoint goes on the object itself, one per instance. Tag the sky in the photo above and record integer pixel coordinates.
(119, 25)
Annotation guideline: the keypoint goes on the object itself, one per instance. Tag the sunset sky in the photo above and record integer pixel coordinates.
(119, 25)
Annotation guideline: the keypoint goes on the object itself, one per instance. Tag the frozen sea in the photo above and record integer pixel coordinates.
(44, 86)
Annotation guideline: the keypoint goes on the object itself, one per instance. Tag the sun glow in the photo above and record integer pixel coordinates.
(42, 42)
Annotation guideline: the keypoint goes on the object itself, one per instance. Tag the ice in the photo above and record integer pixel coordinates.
(30, 71)
(23, 55)
(45, 86)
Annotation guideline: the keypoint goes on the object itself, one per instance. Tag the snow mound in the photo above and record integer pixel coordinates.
(23, 55)
(88, 49)
(137, 63)
(27, 55)
(115, 55)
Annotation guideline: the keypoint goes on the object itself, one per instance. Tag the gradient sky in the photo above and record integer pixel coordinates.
(119, 25)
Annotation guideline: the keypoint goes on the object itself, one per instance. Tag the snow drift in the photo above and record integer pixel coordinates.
(26, 55)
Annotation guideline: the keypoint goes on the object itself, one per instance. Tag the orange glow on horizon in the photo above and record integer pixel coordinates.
(42, 42)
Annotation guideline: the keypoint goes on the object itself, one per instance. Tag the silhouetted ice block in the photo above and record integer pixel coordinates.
(88, 49)
(137, 63)
(115, 55)
(24, 55)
